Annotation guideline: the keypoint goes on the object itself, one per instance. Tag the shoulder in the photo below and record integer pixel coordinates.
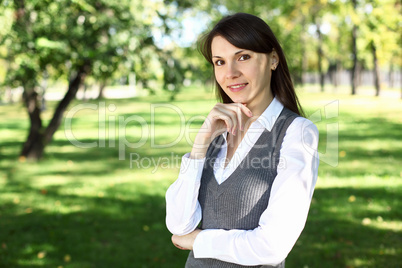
(303, 123)
(297, 123)
(302, 129)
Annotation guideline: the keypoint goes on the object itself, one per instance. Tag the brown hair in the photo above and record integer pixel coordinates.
(250, 32)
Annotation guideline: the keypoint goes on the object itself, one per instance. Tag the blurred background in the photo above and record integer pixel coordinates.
(100, 99)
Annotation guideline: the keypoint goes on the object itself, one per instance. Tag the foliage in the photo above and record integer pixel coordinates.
(86, 208)
(317, 35)
(128, 45)
(72, 39)
(59, 36)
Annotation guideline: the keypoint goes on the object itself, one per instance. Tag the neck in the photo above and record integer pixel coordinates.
(258, 108)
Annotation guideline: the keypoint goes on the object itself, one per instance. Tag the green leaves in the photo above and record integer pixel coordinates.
(44, 43)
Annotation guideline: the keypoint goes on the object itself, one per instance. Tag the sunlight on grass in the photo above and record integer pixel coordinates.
(103, 211)
(358, 262)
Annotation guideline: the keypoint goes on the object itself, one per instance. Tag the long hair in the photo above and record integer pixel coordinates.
(252, 33)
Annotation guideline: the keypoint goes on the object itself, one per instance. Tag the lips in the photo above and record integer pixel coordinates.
(237, 87)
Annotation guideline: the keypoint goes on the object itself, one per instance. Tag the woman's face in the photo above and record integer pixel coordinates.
(244, 75)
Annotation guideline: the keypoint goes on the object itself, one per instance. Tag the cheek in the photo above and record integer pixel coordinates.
(264, 75)
(219, 77)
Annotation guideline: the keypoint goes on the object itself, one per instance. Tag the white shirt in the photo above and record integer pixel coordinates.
(280, 224)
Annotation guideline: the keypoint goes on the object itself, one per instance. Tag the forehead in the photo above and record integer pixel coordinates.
(220, 47)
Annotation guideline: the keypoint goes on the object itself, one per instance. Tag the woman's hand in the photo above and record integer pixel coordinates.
(223, 117)
(185, 242)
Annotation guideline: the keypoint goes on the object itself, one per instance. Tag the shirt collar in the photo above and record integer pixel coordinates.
(268, 118)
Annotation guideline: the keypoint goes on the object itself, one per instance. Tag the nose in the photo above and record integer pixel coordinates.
(232, 71)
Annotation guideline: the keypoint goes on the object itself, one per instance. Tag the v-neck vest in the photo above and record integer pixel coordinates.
(239, 201)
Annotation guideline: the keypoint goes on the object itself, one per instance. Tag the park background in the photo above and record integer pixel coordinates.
(100, 99)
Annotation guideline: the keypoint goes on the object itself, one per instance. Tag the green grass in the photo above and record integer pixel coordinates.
(83, 207)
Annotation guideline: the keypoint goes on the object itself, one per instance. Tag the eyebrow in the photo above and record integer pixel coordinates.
(238, 52)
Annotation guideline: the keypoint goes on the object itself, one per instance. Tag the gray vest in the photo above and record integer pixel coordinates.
(239, 201)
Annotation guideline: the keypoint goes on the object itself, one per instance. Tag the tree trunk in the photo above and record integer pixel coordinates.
(304, 63)
(84, 93)
(376, 70)
(38, 138)
(44, 85)
(101, 88)
(320, 54)
(330, 72)
(391, 76)
(334, 69)
(304, 59)
(338, 72)
(338, 68)
(354, 55)
(73, 87)
(33, 146)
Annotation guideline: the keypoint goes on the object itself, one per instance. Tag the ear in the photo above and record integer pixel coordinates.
(274, 60)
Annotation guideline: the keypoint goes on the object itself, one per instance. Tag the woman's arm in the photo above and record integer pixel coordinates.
(183, 212)
(284, 219)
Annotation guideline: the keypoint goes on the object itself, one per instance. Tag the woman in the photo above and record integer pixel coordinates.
(250, 176)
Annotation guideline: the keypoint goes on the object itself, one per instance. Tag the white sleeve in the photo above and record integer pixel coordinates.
(183, 211)
(282, 222)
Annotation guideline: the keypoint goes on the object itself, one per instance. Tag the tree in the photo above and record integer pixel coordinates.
(69, 39)
(380, 33)
(355, 67)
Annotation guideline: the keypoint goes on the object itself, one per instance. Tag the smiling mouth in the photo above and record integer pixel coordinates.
(238, 87)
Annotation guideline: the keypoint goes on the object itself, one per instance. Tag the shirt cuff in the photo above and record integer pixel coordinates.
(190, 166)
(203, 246)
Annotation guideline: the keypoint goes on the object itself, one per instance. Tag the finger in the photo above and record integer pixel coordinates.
(240, 116)
(175, 240)
(239, 109)
(245, 110)
(232, 114)
(227, 120)
(227, 115)
(179, 247)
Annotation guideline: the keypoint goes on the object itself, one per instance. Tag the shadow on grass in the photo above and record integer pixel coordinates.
(102, 232)
(125, 228)
(373, 128)
(340, 233)
(109, 155)
(361, 148)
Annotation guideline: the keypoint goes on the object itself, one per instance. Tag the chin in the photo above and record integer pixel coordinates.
(238, 100)
(240, 97)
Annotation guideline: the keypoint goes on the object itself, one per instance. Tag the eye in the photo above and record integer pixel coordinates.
(244, 57)
(219, 62)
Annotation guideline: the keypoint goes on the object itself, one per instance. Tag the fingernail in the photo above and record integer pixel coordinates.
(250, 113)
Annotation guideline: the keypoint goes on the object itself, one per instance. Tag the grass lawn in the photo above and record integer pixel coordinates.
(97, 197)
